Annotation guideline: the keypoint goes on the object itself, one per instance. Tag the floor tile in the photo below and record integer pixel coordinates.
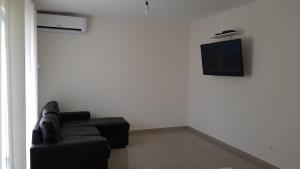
(240, 163)
(182, 166)
(175, 149)
(213, 164)
(197, 156)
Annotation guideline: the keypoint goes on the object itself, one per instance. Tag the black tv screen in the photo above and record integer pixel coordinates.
(223, 58)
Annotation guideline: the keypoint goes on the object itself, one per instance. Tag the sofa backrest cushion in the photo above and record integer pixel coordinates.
(50, 128)
(37, 136)
(52, 108)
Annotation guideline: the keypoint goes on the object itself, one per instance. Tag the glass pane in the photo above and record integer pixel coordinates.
(4, 135)
(2, 4)
(4, 96)
(1, 97)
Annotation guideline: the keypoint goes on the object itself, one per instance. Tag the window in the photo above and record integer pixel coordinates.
(5, 159)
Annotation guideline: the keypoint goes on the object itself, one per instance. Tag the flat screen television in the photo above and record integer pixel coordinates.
(223, 58)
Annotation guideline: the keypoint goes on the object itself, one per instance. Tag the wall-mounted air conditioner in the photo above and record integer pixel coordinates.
(61, 23)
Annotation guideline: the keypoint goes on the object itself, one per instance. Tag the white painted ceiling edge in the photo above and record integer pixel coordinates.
(160, 10)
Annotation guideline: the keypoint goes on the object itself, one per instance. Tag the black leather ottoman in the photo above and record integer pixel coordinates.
(114, 129)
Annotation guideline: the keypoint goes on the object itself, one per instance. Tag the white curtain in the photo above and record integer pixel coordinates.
(6, 161)
(31, 67)
(6, 141)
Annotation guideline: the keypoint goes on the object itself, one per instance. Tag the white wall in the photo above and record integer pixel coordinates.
(16, 11)
(134, 69)
(260, 110)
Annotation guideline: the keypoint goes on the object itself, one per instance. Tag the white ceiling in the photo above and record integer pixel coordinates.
(164, 10)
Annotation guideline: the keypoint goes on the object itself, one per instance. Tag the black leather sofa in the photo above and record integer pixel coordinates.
(63, 140)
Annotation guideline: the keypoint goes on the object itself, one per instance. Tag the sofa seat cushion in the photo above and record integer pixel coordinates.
(105, 150)
(80, 131)
(106, 124)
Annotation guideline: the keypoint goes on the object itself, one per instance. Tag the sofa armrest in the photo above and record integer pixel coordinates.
(71, 116)
(75, 153)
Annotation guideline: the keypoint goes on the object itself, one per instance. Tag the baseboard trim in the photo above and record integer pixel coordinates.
(234, 150)
(165, 129)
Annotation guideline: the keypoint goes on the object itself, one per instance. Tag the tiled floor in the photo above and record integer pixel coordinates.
(174, 149)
